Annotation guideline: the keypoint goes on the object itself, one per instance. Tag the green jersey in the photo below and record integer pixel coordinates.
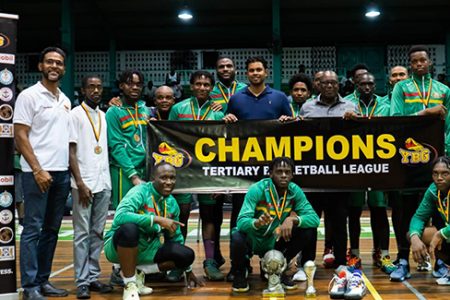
(127, 140)
(377, 107)
(140, 206)
(262, 198)
(189, 109)
(430, 203)
(415, 94)
(222, 94)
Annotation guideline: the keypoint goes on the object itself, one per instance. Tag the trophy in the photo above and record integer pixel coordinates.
(274, 263)
(310, 270)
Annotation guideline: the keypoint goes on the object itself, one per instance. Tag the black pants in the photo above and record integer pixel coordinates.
(127, 236)
(402, 213)
(301, 240)
(335, 206)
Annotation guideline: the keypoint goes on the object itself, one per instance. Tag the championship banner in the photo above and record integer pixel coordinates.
(8, 32)
(386, 153)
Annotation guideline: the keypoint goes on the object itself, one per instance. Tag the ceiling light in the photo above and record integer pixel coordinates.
(185, 14)
(372, 12)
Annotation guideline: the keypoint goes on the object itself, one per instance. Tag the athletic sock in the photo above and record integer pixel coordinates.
(384, 253)
(355, 252)
(126, 280)
(209, 249)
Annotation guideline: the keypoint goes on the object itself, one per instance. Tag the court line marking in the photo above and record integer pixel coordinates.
(371, 288)
(61, 270)
(413, 290)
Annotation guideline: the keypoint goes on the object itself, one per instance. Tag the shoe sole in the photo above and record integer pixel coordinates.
(241, 290)
(290, 288)
(337, 296)
(401, 279)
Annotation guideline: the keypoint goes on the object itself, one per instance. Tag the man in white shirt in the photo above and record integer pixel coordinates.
(91, 187)
(42, 129)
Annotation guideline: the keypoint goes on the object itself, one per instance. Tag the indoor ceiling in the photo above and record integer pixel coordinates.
(153, 24)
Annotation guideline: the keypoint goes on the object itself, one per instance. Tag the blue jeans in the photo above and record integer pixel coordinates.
(42, 220)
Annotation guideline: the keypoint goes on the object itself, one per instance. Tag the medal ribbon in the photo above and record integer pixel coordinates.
(225, 97)
(135, 120)
(373, 109)
(275, 203)
(96, 133)
(443, 204)
(156, 208)
(424, 101)
(198, 117)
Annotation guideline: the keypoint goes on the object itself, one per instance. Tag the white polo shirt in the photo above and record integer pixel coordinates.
(50, 126)
(94, 167)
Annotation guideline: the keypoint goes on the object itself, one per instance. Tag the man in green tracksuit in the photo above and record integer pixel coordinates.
(145, 233)
(226, 85)
(275, 215)
(369, 105)
(127, 136)
(419, 95)
(435, 204)
(198, 108)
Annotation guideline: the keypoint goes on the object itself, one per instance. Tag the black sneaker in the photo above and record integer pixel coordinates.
(240, 284)
(287, 282)
(116, 278)
(83, 292)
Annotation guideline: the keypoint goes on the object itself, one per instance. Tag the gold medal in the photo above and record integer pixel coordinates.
(161, 238)
(137, 138)
(97, 149)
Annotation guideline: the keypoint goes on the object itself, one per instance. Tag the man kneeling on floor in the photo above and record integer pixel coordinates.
(145, 236)
(275, 215)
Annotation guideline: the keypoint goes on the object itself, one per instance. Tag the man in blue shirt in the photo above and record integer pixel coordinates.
(258, 101)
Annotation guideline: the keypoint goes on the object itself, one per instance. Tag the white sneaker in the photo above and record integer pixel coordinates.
(338, 286)
(300, 275)
(130, 291)
(140, 283)
(356, 288)
(444, 280)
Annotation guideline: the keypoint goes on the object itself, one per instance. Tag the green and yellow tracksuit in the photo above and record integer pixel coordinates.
(378, 108)
(415, 94)
(138, 207)
(222, 94)
(258, 201)
(127, 140)
(296, 107)
(426, 210)
(188, 110)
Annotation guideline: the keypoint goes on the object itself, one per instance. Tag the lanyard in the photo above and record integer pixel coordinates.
(156, 208)
(96, 133)
(135, 119)
(199, 111)
(424, 101)
(225, 97)
(367, 108)
(442, 204)
(278, 210)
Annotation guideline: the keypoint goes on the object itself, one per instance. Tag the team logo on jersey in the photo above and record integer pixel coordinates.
(6, 77)
(416, 153)
(6, 94)
(6, 199)
(6, 216)
(178, 158)
(4, 40)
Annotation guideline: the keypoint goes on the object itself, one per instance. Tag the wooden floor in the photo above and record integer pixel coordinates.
(420, 286)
